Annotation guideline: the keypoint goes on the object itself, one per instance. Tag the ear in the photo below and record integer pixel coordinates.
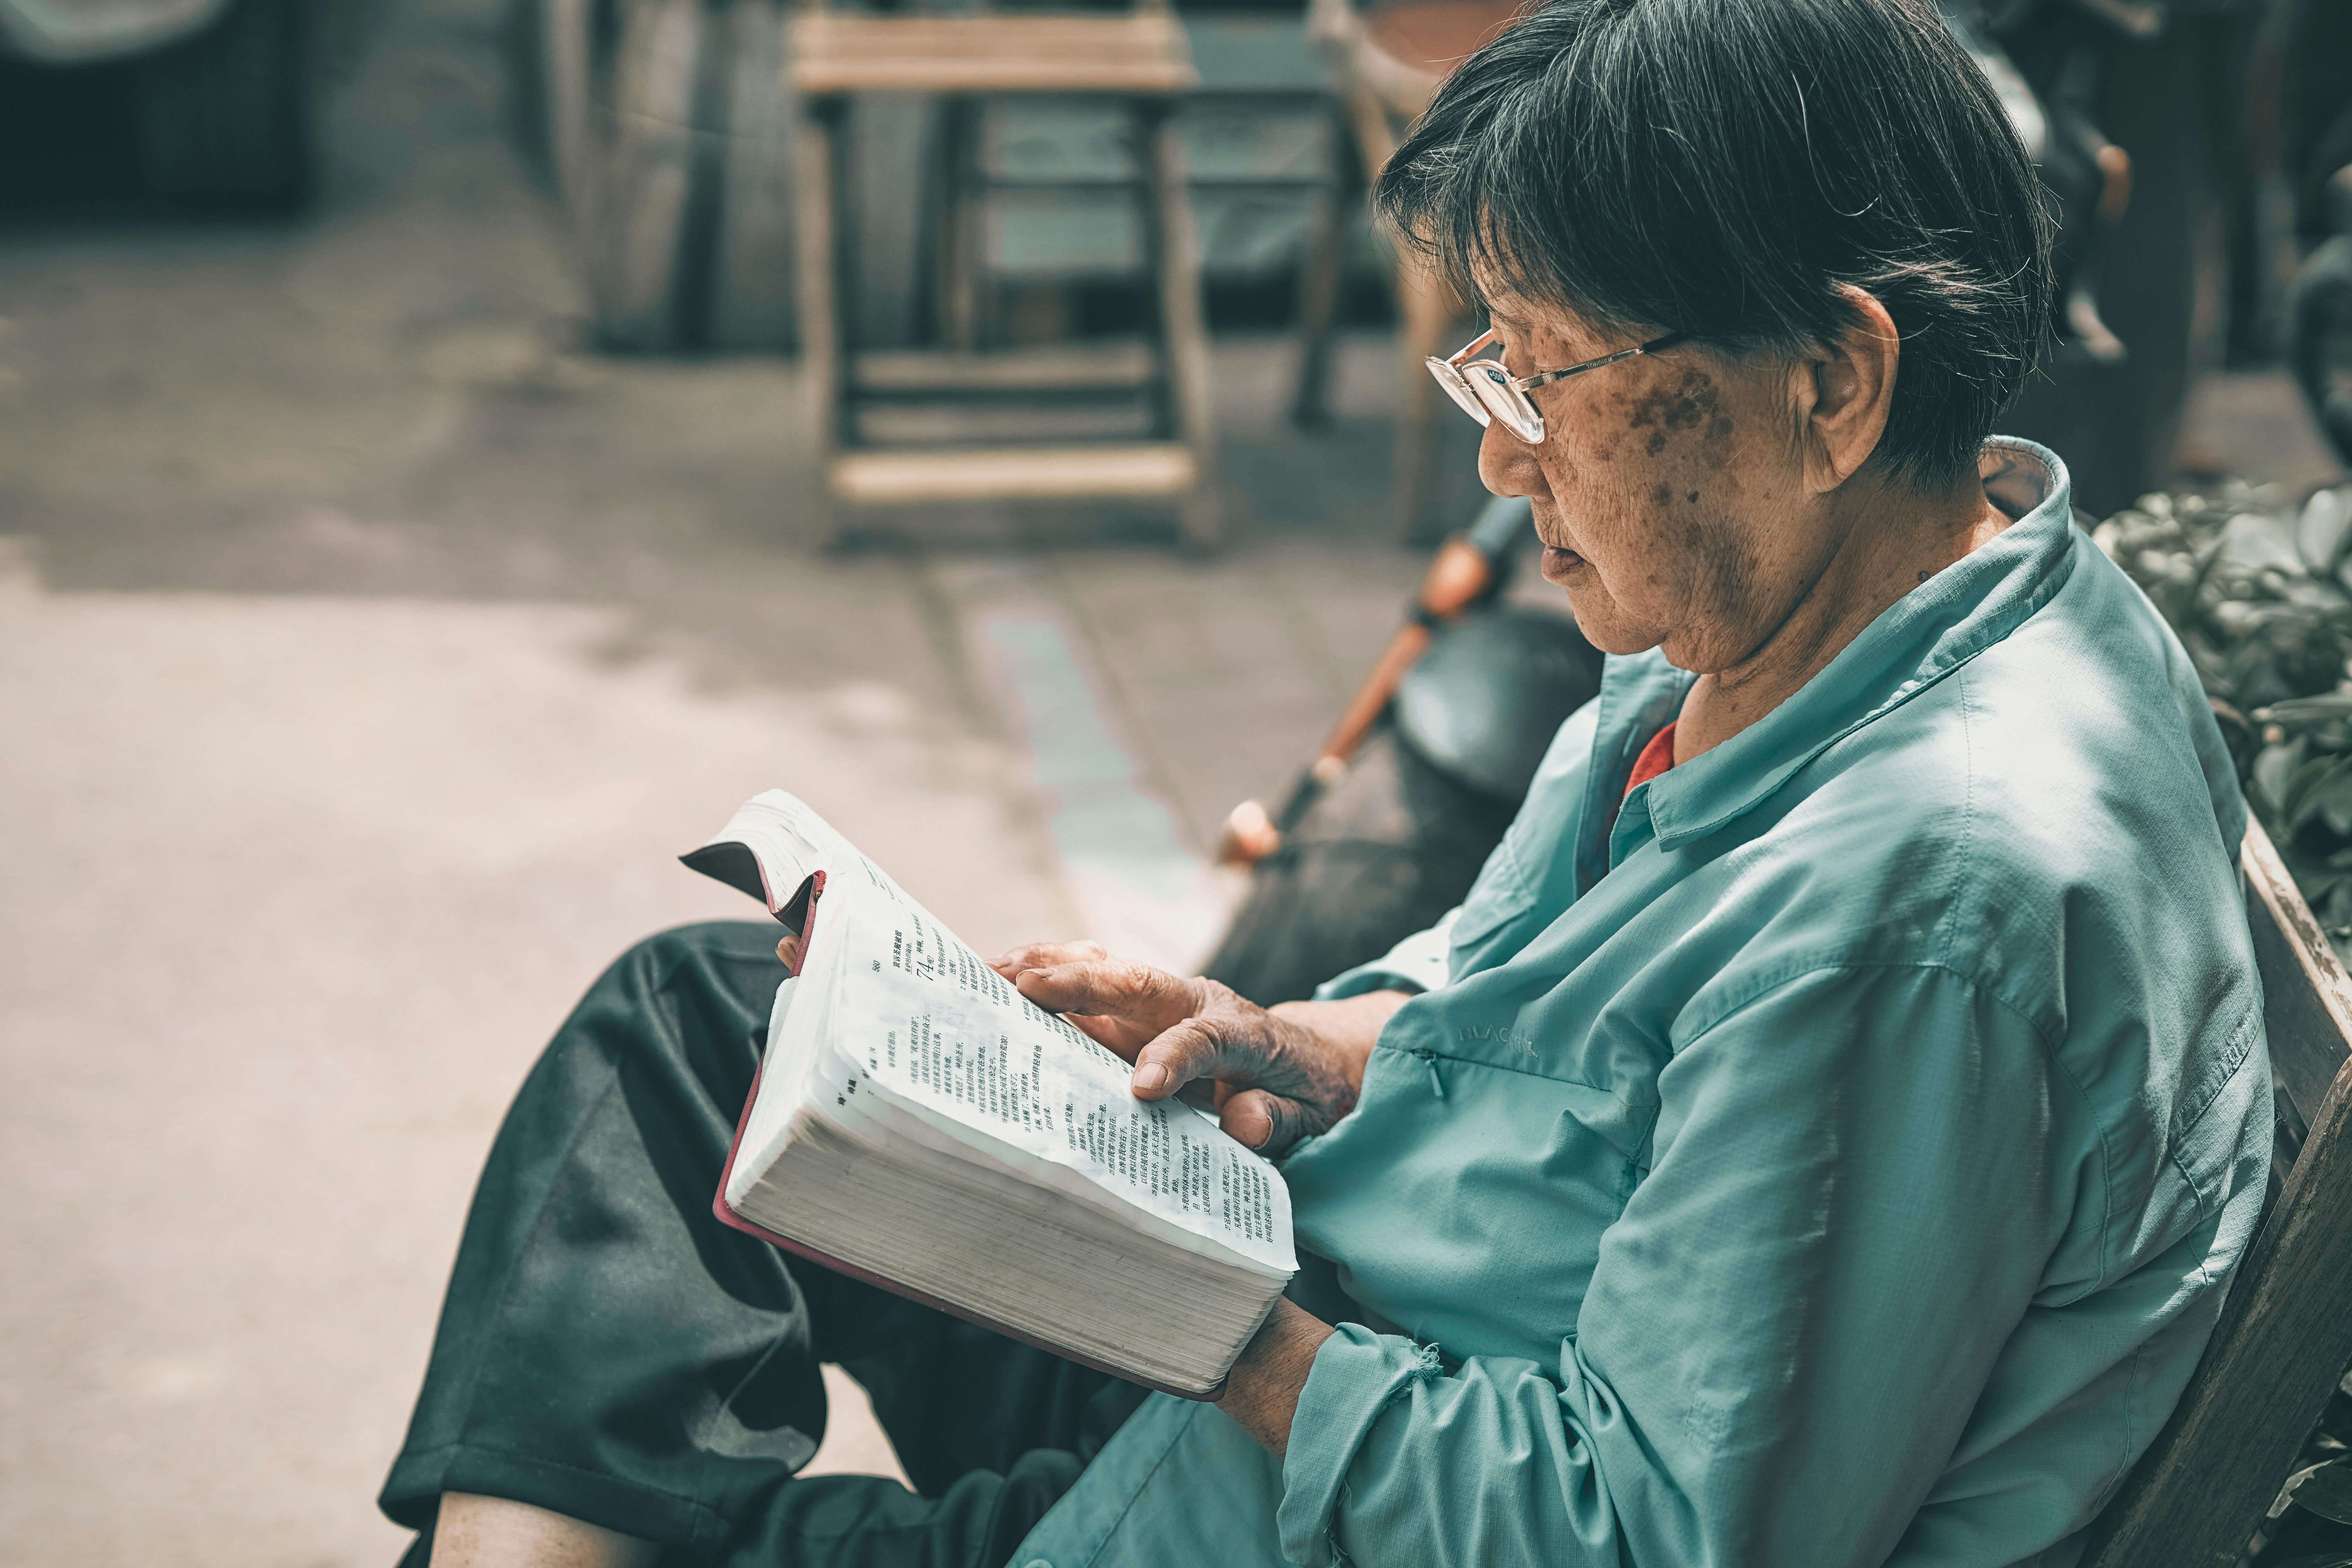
(1843, 390)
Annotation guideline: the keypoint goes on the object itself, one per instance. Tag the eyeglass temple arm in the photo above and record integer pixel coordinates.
(1530, 383)
(1454, 361)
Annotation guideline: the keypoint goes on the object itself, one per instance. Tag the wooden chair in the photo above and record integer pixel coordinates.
(1387, 63)
(1139, 58)
(2198, 1495)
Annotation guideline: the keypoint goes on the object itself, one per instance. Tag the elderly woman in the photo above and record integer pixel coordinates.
(1823, 1135)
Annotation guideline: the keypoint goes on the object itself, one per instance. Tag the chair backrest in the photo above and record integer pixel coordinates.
(1141, 51)
(2285, 1335)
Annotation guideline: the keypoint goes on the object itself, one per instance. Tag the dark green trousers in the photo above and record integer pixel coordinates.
(610, 1350)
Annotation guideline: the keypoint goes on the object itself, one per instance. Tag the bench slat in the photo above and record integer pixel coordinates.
(2308, 1022)
(2285, 1337)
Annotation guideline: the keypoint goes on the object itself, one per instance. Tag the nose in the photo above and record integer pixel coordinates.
(1507, 465)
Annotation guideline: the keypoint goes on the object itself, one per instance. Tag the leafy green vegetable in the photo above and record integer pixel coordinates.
(2327, 1492)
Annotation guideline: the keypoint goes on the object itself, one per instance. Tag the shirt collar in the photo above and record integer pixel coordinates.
(1915, 642)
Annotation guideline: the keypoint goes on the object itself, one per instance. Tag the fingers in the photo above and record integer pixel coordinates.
(1265, 1122)
(1186, 1038)
(1046, 955)
(1110, 987)
(789, 950)
(1192, 1050)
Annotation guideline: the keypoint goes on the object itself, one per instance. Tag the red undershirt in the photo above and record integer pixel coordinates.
(1655, 758)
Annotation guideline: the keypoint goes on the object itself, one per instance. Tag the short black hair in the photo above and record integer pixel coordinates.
(1719, 167)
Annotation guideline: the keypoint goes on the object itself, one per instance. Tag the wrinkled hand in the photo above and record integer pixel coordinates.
(1275, 1077)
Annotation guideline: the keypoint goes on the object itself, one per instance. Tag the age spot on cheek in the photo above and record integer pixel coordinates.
(1690, 404)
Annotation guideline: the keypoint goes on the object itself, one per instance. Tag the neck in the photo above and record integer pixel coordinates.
(1884, 541)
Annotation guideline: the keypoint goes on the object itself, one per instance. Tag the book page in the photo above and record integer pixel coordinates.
(903, 1001)
(921, 1016)
(785, 840)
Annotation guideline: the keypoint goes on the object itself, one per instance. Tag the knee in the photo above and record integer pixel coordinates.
(707, 947)
(694, 997)
(728, 964)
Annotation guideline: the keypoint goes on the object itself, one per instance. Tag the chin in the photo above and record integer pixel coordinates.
(1622, 646)
(1606, 626)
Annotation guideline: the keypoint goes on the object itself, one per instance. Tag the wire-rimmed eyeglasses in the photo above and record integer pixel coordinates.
(1486, 391)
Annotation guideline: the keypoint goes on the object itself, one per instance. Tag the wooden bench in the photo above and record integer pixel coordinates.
(2197, 1495)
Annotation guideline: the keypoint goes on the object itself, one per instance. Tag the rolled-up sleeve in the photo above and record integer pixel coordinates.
(1859, 1175)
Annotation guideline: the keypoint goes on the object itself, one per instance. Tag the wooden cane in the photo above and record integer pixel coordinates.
(1456, 579)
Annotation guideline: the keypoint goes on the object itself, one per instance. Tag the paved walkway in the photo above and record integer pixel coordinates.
(365, 656)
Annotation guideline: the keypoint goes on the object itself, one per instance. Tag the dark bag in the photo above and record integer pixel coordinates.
(1395, 841)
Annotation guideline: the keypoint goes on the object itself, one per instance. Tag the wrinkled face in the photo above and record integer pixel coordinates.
(1668, 489)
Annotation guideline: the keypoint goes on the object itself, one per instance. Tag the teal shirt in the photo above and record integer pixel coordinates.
(1835, 1155)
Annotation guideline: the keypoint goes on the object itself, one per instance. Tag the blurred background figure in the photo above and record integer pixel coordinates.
(429, 497)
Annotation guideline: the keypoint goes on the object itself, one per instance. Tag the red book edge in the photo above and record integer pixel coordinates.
(729, 1217)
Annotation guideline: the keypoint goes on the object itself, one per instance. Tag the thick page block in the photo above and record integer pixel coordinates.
(919, 1124)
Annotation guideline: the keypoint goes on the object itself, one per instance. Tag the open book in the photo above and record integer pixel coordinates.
(919, 1124)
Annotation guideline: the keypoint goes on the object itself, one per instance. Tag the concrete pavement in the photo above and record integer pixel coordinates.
(366, 652)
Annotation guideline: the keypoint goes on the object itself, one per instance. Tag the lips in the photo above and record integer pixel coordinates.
(1559, 562)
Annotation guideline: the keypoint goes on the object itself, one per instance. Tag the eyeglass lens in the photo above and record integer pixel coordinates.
(1505, 402)
(1460, 390)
